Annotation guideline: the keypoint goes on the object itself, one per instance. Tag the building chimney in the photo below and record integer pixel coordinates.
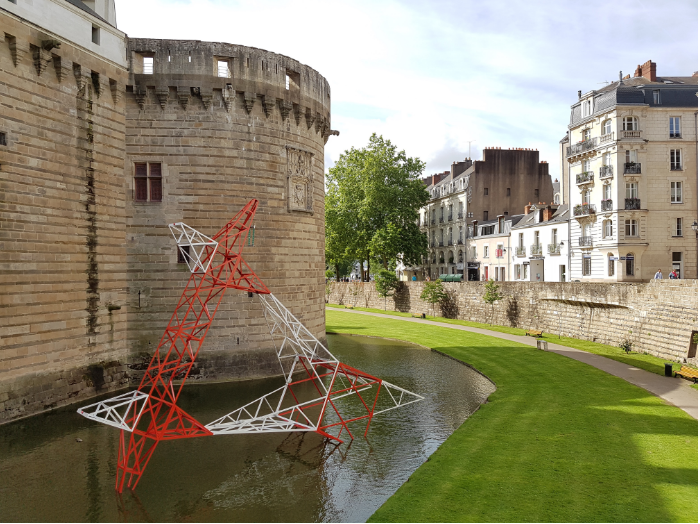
(548, 213)
(527, 208)
(620, 76)
(694, 75)
(638, 71)
(649, 70)
(579, 94)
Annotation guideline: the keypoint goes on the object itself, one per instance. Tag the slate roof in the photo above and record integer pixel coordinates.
(682, 92)
(82, 6)
(561, 215)
(510, 222)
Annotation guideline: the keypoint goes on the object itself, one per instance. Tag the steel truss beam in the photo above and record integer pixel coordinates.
(150, 414)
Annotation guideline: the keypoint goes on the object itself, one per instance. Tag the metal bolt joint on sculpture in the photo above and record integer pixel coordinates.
(150, 414)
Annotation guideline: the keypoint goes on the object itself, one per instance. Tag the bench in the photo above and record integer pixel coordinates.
(533, 333)
(349, 307)
(687, 372)
(421, 315)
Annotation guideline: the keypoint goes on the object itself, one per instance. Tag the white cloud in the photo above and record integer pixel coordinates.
(432, 75)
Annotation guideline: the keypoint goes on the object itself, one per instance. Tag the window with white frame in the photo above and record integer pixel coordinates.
(586, 134)
(631, 190)
(607, 127)
(631, 228)
(630, 156)
(486, 251)
(629, 123)
(676, 160)
(586, 197)
(606, 159)
(537, 238)
(586, 166)
(674, 127)
(629, 264)
(525, 266)
(607, 192)
(586, 265)
(656, 94)
(676, 192)
(586, 109)
(521, 240)
(607, 228)
(516, 272)
(679, 228)
(554, 236)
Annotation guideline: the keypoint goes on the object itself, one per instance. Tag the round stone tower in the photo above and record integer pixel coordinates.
(210, 126)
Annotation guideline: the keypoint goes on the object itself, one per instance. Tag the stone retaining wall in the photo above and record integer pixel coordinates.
(659, 317)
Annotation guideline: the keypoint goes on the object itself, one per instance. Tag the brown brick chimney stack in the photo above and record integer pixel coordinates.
(649, 70)
(527, 207)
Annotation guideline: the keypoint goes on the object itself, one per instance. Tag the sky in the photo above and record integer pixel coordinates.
(433, 76)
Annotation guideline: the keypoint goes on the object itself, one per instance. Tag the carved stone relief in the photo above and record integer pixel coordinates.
(300, 180)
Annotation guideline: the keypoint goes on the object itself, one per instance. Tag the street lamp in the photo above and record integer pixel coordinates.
(694, 227)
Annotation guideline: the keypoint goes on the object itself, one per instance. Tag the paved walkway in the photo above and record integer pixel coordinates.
(676, 391)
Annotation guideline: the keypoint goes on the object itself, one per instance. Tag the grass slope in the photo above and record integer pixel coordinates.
(558, 441)
(640, 360)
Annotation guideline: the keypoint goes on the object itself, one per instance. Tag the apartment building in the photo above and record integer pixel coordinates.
(541, 244)
(489, 249)
(499, 185)
(632, 162)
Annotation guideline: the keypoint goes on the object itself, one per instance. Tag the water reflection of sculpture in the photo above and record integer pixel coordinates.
(150, 413)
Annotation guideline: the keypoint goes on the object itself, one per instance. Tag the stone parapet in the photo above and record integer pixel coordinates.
(659, 317)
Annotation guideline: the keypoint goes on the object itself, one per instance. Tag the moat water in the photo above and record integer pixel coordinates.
(47, 474)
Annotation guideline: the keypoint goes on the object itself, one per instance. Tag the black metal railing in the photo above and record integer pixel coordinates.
(441, 243)
(585, 177)
(582, 147)
(449, 218)
(674, 135)
(460, 242)
(449, 242)
(633, 168)
(585, 241)
(632, 203)
(606, 172)
(432, 221)
(606, 205)
(442, 219)
(460, 215)
(584, 209)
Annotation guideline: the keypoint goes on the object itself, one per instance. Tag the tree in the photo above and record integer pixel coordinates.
(386, 283)
(372, 201)
(492, 295)
(433, 292)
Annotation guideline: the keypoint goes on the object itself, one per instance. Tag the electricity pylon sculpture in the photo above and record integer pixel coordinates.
(150, 414)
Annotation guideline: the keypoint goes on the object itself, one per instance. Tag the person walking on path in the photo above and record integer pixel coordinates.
(672, 274)
(658, 275)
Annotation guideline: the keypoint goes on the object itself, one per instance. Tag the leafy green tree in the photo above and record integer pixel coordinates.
(386, 283)
(433, 292)
(372, 201)
(492, 295)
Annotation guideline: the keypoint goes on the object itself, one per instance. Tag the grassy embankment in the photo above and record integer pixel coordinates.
(640, 360)
(558, 441)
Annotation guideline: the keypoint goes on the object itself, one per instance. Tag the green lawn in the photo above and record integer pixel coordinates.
(558, 441)
(640, 360)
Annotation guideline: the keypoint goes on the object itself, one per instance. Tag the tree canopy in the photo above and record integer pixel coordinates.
(373, 196)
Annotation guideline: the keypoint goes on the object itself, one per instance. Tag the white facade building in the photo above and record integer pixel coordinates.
(541, 245)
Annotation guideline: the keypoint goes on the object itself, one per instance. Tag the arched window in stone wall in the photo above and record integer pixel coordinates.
(611, 265)
(460, 257)
(442, 257)
(606, 128)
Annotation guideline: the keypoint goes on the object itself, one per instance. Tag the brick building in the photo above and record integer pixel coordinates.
(104, 140)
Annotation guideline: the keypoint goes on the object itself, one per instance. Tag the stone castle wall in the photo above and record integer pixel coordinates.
(659, 317)
(62, 221)
(222, 141)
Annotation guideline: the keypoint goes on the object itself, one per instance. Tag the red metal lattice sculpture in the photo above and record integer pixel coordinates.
(150, 414)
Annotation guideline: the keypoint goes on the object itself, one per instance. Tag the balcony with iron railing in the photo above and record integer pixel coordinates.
(628, 133)
(581, 210)
(460, 242)
(520, 251)
(449, 218)
(582, 147)
(584, 178)
(632, 203)
(606, 172)
(633, 168)
(585, 241)
(610, 137)
(442, 219)
(606, 205)
(441, 243)
(449, 242)
(554, 249)
(432, 221)
(674, 135)
(433, 243)
(536, 249)
(460, 215)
